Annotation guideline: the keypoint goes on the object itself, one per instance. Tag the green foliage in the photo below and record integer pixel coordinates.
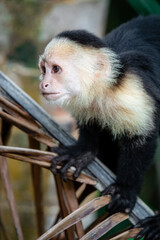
(145, 7)
(120, 11)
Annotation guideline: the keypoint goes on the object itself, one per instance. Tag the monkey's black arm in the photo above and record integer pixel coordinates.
(103, 175)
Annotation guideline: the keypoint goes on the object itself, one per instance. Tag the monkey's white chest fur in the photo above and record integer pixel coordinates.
(125, 109)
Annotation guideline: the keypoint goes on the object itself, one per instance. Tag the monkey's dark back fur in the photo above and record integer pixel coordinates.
(135, 35)
(137, 43)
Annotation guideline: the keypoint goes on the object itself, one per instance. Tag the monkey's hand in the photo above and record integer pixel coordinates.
(151, 228)
(71, 156)
(122, 200)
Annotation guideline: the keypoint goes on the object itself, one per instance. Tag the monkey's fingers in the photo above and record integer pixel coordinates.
(82, 161)
(154, 235)
(78, 171)
(119, 204)
(57, 161)
(113, 207)
(79, 162)
(109, 190)
(75, 163)
(148, 221)
(140, 234)
(121, 199)
(53, 168)
(151, 228)
(65, 167)
(61, 159)
(59, 150)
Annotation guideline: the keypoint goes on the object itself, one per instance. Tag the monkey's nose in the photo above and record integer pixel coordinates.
(45, 85)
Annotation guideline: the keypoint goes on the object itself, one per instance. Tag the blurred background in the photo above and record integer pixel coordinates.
(26, 26)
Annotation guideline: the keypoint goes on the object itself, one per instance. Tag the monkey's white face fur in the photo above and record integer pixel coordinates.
(81, 70)
(81, 79)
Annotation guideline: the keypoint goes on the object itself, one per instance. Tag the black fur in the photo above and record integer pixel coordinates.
(82, 37)
(151, 228)
(137, 44)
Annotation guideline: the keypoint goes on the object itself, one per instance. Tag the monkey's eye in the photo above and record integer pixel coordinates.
(43, 69)
(56, 68)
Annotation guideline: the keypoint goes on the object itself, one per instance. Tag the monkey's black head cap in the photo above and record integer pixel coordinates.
(83, 37)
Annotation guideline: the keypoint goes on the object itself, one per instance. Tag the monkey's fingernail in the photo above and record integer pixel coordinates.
(137, 225)
(64, 179)
(127, 210)
(138, 237)
(53, 169)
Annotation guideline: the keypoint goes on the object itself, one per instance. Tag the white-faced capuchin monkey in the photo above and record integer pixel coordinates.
(112, 87)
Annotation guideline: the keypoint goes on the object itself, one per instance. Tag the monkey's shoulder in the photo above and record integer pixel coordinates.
(127, 108)
(135, 34)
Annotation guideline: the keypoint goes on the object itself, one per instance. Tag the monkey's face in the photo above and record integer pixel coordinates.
(59, 80)
(72, 73)
(66, 72)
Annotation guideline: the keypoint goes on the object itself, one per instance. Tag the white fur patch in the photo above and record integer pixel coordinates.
(125, 109)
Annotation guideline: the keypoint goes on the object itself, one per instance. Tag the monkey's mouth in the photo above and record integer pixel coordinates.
(52, 96)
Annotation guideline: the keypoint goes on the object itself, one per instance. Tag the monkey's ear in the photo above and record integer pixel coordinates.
(41, 61)
(103, 69)
(108, 66)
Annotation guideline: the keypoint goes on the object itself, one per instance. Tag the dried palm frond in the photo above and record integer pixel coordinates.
(18, 109)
